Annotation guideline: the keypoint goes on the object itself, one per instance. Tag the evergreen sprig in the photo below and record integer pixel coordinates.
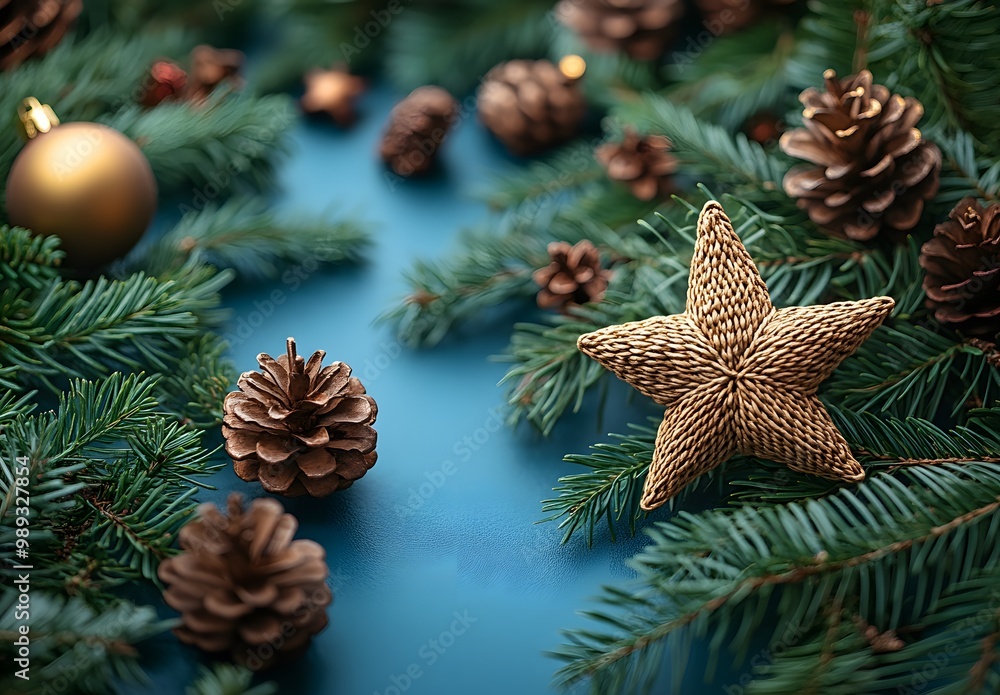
(243, 235)
(716, 573)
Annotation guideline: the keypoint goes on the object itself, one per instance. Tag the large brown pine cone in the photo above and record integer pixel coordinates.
(530, 105)
(574, 276)
(417, 127)
(298, 427)
(644, 164)
(640, 28)
(243, 586)
(962, 265)
(873, 170)
(32, 27)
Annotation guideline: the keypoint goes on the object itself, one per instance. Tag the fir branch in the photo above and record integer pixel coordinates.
(908, 370)
(717, 90)
(226, 146)
(75, 648)
(196, 382)
(708, 151)
(27, 261)
(113, 479)
(469, 37)
(943, 54)
(227, 679)
(72, 330)
(719, 570)
(242, 234)
(490, 270)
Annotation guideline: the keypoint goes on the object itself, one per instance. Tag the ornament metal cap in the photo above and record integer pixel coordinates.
(36, 118)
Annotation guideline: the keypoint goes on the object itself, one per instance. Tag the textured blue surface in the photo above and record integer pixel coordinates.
(410, 546)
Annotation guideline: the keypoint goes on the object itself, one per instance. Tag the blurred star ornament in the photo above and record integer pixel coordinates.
(85, 183)
(737, 375)
(332, 93)
(166, 80)
(531, 105)
(298, 427)
(211, 68)
(243, 586)
(30, 28)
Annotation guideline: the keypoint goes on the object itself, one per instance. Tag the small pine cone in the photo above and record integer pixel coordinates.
(33, 27)
(962, 266)
(574, 276)
(530, 105)
(417, 127)
(211, 68)
(298, 427)
(642, 29)
(243, 586)
(643, 163)
(873, 171)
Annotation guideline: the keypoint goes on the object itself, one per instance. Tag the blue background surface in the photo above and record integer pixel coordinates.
(471, 547)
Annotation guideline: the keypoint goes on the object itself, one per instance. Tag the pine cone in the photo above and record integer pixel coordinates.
(574, 276)
(640, 28)
(166, 80)
(417, 127)
(33, 27)
(243, 586)
(530, 105)
(298, 427)
(643, 163)
(962, 265)
(873, 170)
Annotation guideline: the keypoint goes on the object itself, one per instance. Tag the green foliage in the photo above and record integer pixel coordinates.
(242, 234)
(943, 54)
(226, 679)
(74, 647)
(226, 146)
(715, 574)
(468, 37)
(113, 479)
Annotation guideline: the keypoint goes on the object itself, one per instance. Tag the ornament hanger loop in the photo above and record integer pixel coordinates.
(36, 118)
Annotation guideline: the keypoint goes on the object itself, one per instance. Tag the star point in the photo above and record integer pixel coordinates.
(735, 374)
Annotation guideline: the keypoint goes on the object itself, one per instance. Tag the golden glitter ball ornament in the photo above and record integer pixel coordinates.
(85, 183)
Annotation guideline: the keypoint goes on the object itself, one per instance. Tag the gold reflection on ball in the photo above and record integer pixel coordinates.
(87, 184)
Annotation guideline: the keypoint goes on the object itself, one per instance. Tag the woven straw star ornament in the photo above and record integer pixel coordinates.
(737, 375)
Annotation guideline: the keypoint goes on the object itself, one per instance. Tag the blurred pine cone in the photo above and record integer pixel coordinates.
(530, 105)
(33, 27)
(417, 127)
(298, 427)
(243, 586)
(639, 28)
(643, 163)
(962, 266)
(873, 169)
(574, 276)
